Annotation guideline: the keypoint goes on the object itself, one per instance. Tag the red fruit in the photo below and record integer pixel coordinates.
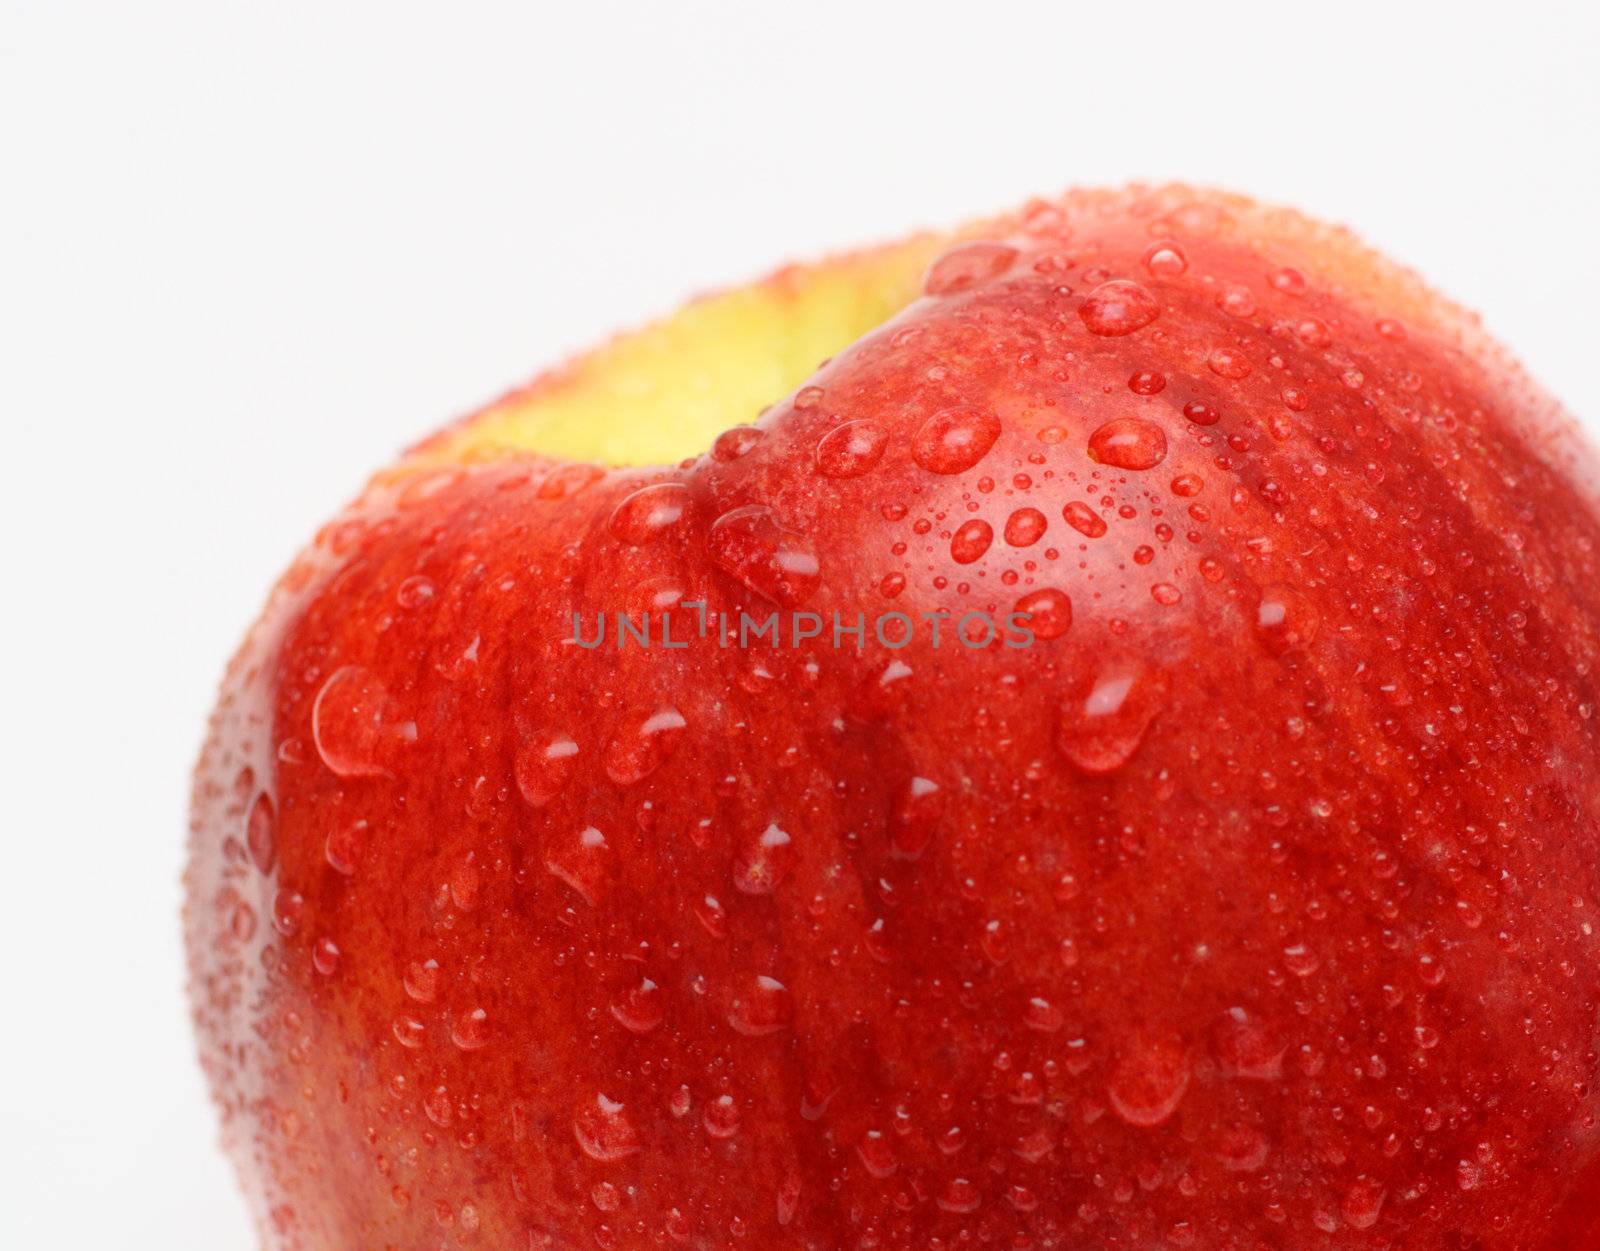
(1251, 899)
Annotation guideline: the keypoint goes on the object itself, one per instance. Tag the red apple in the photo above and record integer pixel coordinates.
(1245, 894)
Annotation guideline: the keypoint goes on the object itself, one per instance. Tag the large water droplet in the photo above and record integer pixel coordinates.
(1244, 1047)
(639, 1008)
(915, 817)
(582, 864)
(1049, 612)
(763, 862)
(1286, 620)
(1083, 519)
(970, 541)
(1100, 729)
(764, 1006)
(968, 265)
(1129, 443)
(604, 1130)
(955, 439)
(1148, 1080)
(1118, 307)
(354, 724)
(649, 512)
(640, 748)
(778, 564)
(851, 450)
(261, 832)
(1025, 527)
(541, 767)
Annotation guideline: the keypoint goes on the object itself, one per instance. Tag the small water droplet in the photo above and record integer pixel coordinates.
(470, 1029)
(1244, 1047)
(1166, 258)
(325, 956)
(1362, 1203)
(421, 980)
(915, 817)
(877, 1154)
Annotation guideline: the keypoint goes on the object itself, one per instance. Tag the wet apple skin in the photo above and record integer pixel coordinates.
(1254, 908)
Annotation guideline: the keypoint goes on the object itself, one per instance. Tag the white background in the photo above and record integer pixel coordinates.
(248, 252)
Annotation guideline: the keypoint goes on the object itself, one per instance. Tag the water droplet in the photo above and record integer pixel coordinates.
(915, 817)
(877, 1154)
(649, 512)
(437, 1107)
(968, 265)
(325, 956)
(1236, 301)
(970, 541)
(1083, 519)
(1149, 1080)
(641, 747)
(1118, 307)
(721, 1117)
(261, 832)
(565, 481)
(582, 864)
(1166, 258)
(288, 909)
(1313, 333)
(1049, 612)
(1244, 1047)
(344, 847)
(1201, 414)
(1242, 1148)
(1228, 363)
(765, 1006)
(955, 439)
(763, 863)
(1129, 443)
(1025, 527)
(1147, 382)
(850, 450)
(1188, 485)
(1100, 730)
(960, 1196)
(1286, 620)
(541, 767)
(736, 442)
(414, 592)
(752, 545)
(604, 1131)
(639, 1008)
(1289, 281)
(1362, 1203)
(470, 1029)
(354, 724)
(421, 980)
(408, 1031)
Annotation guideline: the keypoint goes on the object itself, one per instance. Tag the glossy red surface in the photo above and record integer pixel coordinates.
(1253, 905)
